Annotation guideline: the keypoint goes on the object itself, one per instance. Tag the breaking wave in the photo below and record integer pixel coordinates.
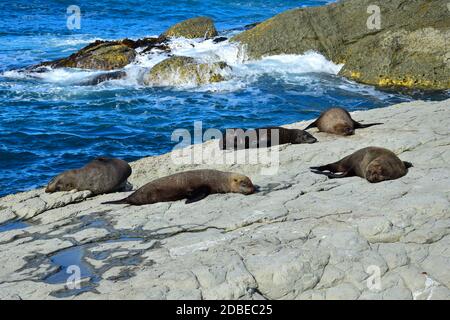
(243, 70)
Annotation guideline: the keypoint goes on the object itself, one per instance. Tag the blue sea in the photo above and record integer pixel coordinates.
(50, 122)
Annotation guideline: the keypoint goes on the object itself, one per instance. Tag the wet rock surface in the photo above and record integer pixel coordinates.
(106, 55)
(302, 236)
(99, 55)
(388, 44)
(179, 70)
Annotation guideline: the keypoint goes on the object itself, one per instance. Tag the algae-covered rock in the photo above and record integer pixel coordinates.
(199, 27)
(179, 70)
(410, 49)
(418, 59)
(99, 55)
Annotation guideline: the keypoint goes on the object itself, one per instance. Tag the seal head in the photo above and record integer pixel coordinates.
(300, 136)
(241, 184)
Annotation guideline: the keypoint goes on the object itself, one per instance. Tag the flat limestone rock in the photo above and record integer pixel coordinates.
(302, 236)
(33, 203)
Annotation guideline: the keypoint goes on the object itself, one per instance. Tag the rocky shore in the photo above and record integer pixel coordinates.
(393, 44)
(301, 237)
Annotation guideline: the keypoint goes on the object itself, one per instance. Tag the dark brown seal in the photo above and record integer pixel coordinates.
(237, 139)
(371, 163)
(338, 121)
(101, 175)
(193, 185)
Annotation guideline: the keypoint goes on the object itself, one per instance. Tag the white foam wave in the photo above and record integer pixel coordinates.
(310, 62)
(73, 42)
(244, 72)
(208, 51)
(61, 75)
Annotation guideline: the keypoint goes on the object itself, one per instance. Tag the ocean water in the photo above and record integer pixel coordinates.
(50, 122)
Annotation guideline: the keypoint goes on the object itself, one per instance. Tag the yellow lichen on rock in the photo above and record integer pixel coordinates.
(355, 75)
(407, 82)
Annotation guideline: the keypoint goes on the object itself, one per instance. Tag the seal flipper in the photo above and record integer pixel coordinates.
(198, 194)
(332, 167)
(331, 175)
(320, 168)
(358, 125)
(121, 201)
(312, 125)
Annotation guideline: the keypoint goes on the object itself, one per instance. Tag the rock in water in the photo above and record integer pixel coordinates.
(148, 43)
(179, 70)
(200, 27)
(113, 75)
(410, 49)
(99, 55)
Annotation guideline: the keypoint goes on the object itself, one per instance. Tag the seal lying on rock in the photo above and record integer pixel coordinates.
(238, 139)
(372, 163)
(338, 121)
(194, 185)
(99, 176)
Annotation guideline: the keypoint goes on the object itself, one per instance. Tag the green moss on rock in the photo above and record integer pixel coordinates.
(99, 55)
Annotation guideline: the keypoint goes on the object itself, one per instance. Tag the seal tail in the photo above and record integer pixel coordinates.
(312, 125)
(121, 201)
(367, 125)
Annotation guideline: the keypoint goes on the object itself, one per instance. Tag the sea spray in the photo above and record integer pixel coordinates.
(243, 71)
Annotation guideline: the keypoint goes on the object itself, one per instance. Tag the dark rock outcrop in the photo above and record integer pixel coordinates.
(114, 75)
(107, 55)
(411, 49)
(100, 55)
(148, 44)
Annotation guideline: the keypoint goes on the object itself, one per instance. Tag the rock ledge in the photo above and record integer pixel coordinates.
(302, 237)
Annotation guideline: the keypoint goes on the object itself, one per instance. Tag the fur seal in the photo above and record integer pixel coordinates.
(192, 185)
(237, 139)
(102, 175)
(371, 163)
(338, 121)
